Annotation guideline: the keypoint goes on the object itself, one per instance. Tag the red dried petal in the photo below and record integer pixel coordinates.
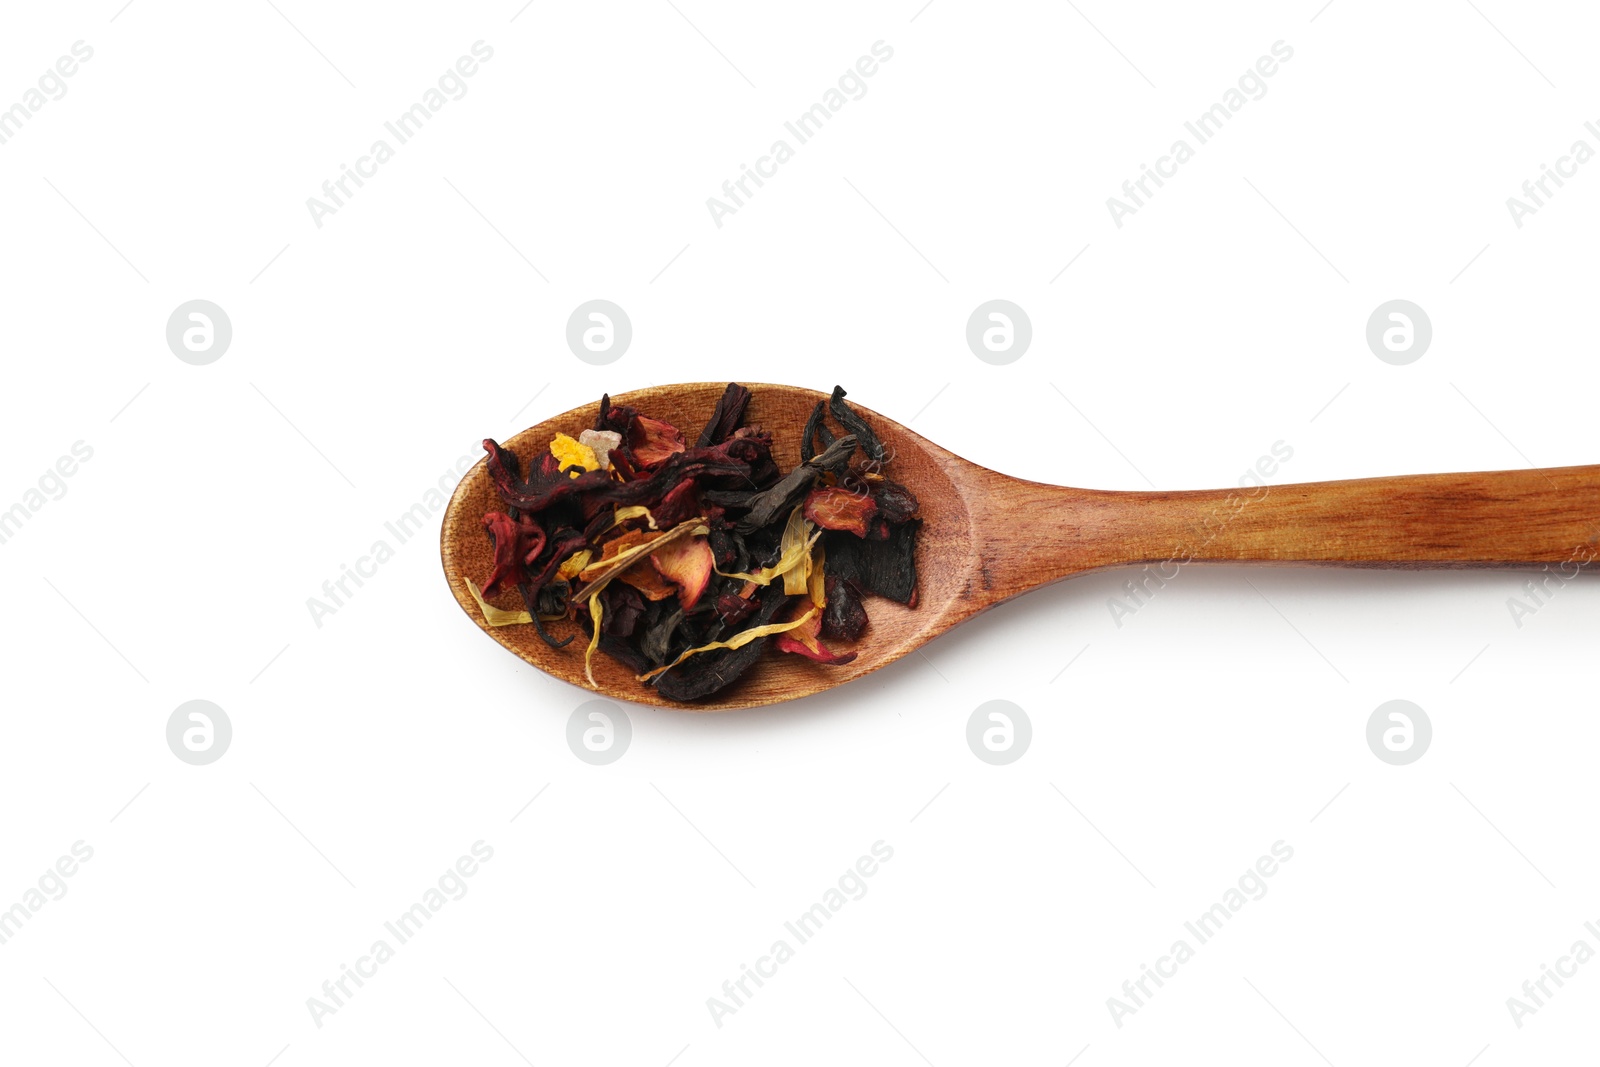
(652, 440)
(727, 416)
(516, 542)
(844, 617)
(835, 508)
(733, 610)
(545, 485)
(687, 564)
(683, 502)
(896, 503)
(802, 641)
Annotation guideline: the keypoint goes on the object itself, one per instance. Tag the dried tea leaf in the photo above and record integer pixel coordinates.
(887, 567)
(657, 640)
(738, 640)
(768, 504)
(815, 429)
(856, 425)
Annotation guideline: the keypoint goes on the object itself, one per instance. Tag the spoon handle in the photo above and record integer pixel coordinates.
(1521, 518)
(1494, 519)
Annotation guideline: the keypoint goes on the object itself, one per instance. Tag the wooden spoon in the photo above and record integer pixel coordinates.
(988, 537)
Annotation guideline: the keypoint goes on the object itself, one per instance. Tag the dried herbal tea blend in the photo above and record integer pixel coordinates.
(682, 560)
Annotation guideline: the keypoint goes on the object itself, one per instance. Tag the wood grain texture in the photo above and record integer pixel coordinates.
(988, 537)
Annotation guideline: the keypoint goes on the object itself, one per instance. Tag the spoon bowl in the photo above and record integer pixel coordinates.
(944, 565)
(988, 537)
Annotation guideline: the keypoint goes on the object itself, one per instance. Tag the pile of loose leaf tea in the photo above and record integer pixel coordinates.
(681, 559)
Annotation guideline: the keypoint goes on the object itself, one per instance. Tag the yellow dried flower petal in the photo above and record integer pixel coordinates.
(796, 551)
(570, 453)
(819, 597)
(574, 563)
(595, 609)
(796, 578)
(632, 511)
(738, 640)
(492, 615)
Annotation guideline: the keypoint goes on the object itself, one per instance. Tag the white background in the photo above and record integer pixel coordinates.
(368, 354)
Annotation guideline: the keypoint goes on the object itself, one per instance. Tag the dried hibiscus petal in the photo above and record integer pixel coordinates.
(613, 416)
(505, 469)
(621, 464)
(895, 502)
(727, 415)
(624, 606)
(843, 619)
(618, 648)
(651, 487)
(652, 441)
(733, 609)
(680, 504)
(516, 542)
(545, 484)
(562, 543)
(725, 543)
